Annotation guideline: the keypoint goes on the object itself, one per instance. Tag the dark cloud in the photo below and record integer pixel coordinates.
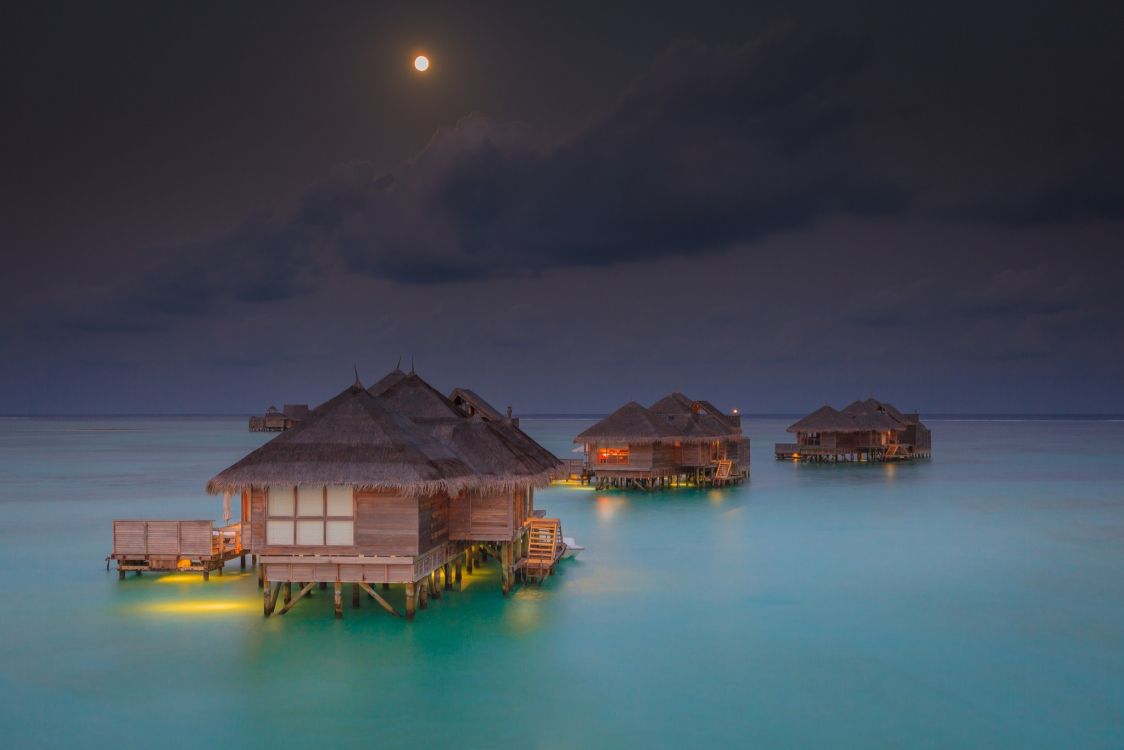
(717, 145)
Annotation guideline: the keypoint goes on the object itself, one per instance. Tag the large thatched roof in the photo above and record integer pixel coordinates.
(498, 452)
(674, 418)
(859, 416)
(353, 439)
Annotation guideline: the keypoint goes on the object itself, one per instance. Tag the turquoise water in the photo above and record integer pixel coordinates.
(972, 601)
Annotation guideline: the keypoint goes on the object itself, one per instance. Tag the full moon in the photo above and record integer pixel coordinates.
(421, 63)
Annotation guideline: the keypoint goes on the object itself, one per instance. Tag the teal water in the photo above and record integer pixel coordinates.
(971, 601)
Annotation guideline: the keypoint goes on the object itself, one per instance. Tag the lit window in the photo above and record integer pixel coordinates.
(313, 516)
(612, 456)
(281, 501)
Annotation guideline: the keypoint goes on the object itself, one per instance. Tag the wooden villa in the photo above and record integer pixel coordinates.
(396, 485)
(865, 431)
(675, 441)
(279, 420)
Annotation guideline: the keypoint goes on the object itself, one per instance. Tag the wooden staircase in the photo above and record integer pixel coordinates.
(544, 547)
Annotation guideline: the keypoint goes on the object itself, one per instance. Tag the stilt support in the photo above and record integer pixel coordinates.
(385, 604)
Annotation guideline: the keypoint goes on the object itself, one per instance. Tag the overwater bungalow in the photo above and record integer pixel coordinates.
(279, 420)
(864, 431)
(396, 485)
(676, 440)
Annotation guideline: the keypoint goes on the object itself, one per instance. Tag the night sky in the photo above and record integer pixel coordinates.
(212, 207)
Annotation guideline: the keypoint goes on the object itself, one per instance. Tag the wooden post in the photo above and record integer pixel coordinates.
(338, 599)
(411, 600)
(288, 592)
(505, 568)
(468, 560)
(323, 585)
(355, 596)
(458, 569)
(242, 561)
(424, 593)
(386, 587)
(434, 588)
(266, 609)
(448, 577)
(261, 572)
(206, 574)
(120, 575)
(253, 561)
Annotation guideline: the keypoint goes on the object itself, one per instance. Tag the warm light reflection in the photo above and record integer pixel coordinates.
(715, 496)
(202, 607)
(607, 505)
(196, 578)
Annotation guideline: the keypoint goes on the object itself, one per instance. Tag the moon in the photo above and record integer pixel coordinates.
(421, 63)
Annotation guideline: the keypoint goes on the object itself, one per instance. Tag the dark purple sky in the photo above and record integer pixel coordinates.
(211, 207)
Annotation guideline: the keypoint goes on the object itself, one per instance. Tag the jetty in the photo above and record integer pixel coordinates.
(865, 431)
(199, 546)
(392, 486)
(676, 441)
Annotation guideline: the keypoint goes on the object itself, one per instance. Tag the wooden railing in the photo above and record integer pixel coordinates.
(227, 540)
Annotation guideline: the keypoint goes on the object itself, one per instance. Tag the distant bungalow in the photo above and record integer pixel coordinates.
(396, 485)
(676, 440)
(868, 430)
(279, 421)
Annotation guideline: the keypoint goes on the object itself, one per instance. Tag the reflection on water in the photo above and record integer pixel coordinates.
(970, 601)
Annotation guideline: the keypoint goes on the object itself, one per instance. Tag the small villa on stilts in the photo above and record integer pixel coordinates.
(865, 431)
(675, 441)
(393, 486)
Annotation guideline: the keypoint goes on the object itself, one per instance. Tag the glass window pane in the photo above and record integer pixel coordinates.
(279, 532)
(340, 532)
(280, 501)
(310, 501)
(310, 532)
(339, 501)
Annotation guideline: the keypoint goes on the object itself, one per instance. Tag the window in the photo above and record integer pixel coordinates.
(612, 456)
(279, 522)
(311, 516)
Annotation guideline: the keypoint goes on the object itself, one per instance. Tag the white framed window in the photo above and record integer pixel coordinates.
(311, 516)
(279, 531)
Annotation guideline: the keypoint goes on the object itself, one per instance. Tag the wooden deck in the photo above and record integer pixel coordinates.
(544, 549)
(156, 545)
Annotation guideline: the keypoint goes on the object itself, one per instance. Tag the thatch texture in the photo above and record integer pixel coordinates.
(674, 418)
(498, 452)
(353, 439)
(859, 416)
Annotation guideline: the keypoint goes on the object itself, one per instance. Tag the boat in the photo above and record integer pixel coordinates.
(572, 547)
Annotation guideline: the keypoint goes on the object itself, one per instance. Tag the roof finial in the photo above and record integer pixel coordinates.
(411, 364)
(398, 366)
(358, 382)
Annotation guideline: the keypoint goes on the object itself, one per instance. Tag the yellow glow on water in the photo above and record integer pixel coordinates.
(197, 578)
(716, 496)
(607, 506)
(202, 607)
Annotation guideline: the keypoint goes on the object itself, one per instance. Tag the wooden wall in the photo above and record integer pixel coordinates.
(486, 518)
(386, 523)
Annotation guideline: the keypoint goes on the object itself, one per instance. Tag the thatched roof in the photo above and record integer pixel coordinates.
(826, 419)
(497, 451)
(353, 439)
(674, 418)
(859, 416)
(296, 411)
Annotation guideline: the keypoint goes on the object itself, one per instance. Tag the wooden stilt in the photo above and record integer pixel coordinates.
(305, 591)
(384, 603)
(120, 575)
(288, 591)
(355, 596)
(423, 595)
(261, 572)
(338, 599)
(468, 561)
(411, 600)
(458, 570)
(448, 577)
(206, 574)
(386, 587)
(434, 588)
(323, 585)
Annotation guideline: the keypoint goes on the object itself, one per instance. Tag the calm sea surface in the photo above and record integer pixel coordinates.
(975, 600)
